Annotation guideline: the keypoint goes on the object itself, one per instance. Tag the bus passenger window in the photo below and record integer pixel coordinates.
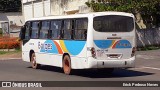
(81, 29)
(44, 29)
(27, 30)
(34, 30)
(68, 33)
(56, 29)
(98, 25)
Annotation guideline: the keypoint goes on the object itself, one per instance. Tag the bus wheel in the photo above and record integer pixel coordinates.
(33, 61)
(67, 65)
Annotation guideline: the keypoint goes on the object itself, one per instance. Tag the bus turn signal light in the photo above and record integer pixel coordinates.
(133, 51)
(93, 52)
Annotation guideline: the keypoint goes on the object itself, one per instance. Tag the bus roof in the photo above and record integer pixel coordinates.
(82, 15)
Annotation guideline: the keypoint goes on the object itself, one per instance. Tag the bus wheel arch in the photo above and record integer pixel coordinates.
(66, 64)
(30, 54)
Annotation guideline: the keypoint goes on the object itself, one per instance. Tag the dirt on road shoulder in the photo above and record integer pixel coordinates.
(11, 55)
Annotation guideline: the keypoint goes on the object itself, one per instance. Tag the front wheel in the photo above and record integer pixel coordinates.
(67, 65)
(33, 61)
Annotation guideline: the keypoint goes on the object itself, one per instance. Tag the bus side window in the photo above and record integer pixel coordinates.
(27, 27)
(68, 29)
(56, 29)
(22, 32)
(35, 30)
(81, 29)
(44, 29)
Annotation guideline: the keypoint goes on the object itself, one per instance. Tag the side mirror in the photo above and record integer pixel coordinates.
(22, 33)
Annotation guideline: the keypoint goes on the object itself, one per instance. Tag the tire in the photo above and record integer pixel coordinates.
(67, 65)
(33, 61)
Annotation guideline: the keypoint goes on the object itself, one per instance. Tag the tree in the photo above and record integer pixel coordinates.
(149, 9)
(10, 5)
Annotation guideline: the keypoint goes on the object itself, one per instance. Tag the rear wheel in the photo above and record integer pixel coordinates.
(33, 61)
(67, 65)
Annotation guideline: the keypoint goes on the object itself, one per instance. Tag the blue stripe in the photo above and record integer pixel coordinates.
(103, 43)
(74, 47)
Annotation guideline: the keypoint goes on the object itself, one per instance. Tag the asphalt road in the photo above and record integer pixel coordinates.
(147, 69)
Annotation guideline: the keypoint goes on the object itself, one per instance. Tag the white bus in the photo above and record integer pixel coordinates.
(80, 41)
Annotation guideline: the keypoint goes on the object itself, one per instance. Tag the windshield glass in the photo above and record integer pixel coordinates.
(113, 23)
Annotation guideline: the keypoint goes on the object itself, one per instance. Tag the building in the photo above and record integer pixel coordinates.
(42, 8)
(11, 22)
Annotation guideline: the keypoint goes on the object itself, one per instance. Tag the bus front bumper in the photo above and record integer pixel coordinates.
(122, 63)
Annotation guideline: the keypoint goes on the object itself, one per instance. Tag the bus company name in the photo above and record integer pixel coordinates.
(45, 46)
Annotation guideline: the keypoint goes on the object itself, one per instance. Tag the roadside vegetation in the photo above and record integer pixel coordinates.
(0, 32)
(148, 9)
(7, 42)
(9, 45)
(18, 51)
(148, 48)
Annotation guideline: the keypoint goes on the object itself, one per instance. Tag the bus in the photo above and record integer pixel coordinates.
(100, 40)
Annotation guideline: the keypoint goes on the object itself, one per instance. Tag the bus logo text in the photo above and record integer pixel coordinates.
(45, 46)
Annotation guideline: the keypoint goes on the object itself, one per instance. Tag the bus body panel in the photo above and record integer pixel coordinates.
(103, 63)
(122, 47)
(50, 52)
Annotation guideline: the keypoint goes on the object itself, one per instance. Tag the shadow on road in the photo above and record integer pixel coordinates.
(116, 74)
(96, 74)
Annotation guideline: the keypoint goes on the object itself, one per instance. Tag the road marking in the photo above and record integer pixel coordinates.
(152, 68)
(146, 57)
(143, 67)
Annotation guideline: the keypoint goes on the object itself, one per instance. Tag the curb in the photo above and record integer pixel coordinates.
(10, 59)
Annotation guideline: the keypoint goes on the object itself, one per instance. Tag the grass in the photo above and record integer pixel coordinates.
(10, 52)
(2, 52)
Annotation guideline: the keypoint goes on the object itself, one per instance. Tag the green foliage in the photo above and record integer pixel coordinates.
(2, 52)
(0, 31)
(10, 5)
(148, 48)
(147, 8)
(143, 6)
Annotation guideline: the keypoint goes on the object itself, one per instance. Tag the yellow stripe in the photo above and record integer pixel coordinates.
(113, 42)
(63, 46)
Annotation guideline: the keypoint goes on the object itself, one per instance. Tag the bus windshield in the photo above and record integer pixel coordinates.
(113, 23)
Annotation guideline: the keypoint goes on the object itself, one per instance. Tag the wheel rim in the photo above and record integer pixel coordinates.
(33, 61)
(66, 65)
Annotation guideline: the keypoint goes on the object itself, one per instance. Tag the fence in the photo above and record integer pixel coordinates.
(148, 37)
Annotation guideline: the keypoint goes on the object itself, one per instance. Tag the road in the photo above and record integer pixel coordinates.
(147, 69)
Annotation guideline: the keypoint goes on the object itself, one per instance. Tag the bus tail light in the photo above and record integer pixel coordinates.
(133, 51)
(93, 52)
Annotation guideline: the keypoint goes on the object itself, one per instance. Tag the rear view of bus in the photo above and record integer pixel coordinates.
(113, 40)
